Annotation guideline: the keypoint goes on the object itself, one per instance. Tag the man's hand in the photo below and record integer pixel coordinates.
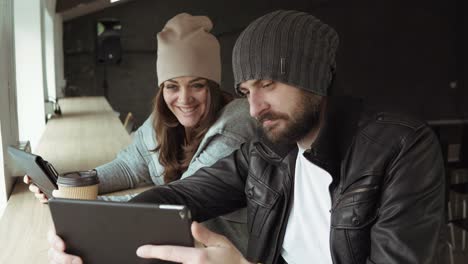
(218, 249)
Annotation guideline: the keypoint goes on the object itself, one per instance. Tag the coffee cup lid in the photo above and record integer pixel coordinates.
(78, 178)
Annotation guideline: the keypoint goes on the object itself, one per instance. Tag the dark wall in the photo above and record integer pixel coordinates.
(397, 55)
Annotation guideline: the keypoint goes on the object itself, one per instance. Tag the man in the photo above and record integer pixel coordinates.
(325, 181)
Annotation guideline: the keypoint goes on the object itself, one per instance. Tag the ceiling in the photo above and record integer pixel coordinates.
(70, 9)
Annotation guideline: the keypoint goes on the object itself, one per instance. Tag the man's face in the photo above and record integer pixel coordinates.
(285, 113)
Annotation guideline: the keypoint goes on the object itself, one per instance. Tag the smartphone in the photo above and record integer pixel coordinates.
(41, 172)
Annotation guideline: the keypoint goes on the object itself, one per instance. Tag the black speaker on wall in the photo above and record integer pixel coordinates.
(109, 48)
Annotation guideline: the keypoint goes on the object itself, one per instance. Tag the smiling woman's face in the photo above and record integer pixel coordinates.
(187, 98)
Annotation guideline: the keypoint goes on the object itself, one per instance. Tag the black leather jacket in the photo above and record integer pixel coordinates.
(387, 190)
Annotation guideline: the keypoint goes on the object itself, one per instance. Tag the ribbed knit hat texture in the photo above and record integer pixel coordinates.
(287, 46)
(187, 48)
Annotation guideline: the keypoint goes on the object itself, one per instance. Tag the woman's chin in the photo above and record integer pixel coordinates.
(188, 123)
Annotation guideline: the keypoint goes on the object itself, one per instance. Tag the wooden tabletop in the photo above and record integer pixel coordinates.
(87, 134)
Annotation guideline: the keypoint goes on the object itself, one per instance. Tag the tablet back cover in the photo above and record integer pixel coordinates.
(110, 232)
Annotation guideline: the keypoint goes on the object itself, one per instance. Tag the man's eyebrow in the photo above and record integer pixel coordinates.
(170, 80)
(257, 82)
(253, 84)
(197, 79)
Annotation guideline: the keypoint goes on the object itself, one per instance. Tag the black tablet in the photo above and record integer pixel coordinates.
(42, 173)
(111, 232)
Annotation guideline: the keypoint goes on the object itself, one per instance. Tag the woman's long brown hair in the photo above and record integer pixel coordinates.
(174, 154)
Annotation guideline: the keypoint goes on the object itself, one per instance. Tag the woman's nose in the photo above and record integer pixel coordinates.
(185, 96)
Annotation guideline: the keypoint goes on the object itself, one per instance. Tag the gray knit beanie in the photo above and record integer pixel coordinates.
(286, 46)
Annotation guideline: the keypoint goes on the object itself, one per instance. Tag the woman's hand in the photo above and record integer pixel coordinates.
(218, 249)
(34, 189)
(57, 253)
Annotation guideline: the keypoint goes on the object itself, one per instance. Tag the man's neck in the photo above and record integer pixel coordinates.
(307, 141)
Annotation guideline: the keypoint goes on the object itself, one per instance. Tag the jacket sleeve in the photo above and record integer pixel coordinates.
(220, 146)
(209, 192)
(233, 128)
(130, 168)
(411, 214)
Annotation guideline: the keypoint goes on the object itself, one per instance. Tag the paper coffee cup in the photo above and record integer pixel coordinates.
(78, 185)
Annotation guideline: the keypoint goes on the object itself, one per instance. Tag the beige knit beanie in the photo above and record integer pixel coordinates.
(186, 48)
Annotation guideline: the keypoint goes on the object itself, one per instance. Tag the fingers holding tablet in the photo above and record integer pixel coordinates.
(55, 241)
(217, 248)
(41, 197)
(27, 179)
(56, 251)
(208, 238)
(34, 189)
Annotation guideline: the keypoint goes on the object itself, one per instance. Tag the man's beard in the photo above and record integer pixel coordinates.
(304, 118)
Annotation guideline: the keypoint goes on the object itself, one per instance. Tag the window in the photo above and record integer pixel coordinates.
(29, 69)
(8, 127)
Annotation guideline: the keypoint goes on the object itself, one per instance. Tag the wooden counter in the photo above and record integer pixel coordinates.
(87, 134)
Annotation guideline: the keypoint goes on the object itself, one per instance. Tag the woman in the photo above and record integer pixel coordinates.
(193, 123)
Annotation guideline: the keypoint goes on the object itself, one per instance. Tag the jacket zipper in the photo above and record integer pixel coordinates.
(284, 220)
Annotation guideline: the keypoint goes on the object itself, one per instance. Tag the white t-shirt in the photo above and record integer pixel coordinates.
(307, 238)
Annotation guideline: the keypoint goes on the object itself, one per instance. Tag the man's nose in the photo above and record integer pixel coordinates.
(257, 104)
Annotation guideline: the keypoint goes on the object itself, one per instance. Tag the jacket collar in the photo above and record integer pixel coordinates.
(337, 133)
(340, 122)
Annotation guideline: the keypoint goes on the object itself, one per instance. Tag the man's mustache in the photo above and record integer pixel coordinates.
(271, 116)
